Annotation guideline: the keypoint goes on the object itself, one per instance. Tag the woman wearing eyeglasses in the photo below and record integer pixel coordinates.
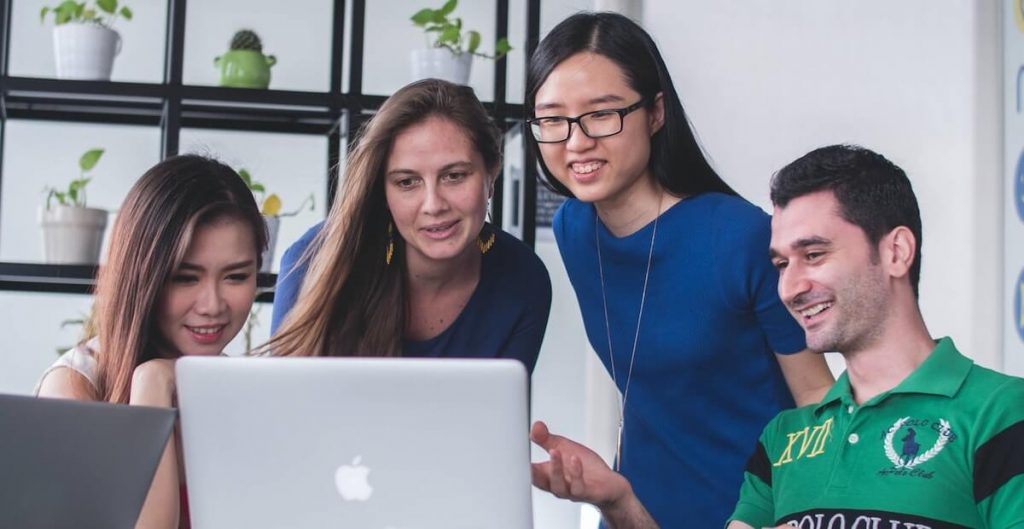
(671, 270)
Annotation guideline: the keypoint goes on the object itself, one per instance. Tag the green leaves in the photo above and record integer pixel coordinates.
(253, 186)
(104, 12)
(75, 193)
(448, 32)
(501, 48)
(448, 7)
(108, 6)
(77, 185)
(89, 159)
(422, 17)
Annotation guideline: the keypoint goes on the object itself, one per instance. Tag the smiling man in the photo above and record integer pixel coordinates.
(912, 436)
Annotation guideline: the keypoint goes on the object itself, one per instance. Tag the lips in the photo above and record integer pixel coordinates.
(440, 230)
(811, 314)
(206, 334)
(585, 171)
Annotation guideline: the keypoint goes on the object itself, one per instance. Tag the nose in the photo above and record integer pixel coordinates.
(434, 201)
(578, 141)
(211, 301)
(793, 284)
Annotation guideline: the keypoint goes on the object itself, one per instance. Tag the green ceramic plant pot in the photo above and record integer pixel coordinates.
(245, 69)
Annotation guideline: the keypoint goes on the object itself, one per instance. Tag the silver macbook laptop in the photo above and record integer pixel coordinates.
(355, 443)
(73, 464)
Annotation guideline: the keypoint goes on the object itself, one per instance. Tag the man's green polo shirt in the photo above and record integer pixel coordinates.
(944, 449)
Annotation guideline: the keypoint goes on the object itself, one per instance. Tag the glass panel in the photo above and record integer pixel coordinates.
(28, 354)
(292, 166)
(297, 37)
(34, 159)
(516, 79)
(554, 11)
(391, 37)
(142, 51)
(346, 64)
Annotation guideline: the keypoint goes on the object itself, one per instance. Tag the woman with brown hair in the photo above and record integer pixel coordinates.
(179, 279)
(405, 264)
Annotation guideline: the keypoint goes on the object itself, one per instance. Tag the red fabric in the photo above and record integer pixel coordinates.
(186, 523)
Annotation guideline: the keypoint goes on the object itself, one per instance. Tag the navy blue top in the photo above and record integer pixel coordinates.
(504, 318)
(705, 379)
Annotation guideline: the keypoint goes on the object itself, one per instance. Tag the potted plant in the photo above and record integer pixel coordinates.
(244, 65)
(271, 210)
(72, 232)
(84, 41)
(451, 50)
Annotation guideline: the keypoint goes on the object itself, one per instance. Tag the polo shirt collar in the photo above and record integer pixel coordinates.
(942, 373)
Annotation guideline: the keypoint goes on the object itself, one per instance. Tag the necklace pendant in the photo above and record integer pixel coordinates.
(618, 448)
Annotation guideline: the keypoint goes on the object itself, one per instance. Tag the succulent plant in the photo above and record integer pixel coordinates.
(246, 39)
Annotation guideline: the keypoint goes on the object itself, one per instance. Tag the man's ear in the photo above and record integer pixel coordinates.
(657, 113)
(898, 250)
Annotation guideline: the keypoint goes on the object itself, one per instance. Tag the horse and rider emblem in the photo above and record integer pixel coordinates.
(910, 455)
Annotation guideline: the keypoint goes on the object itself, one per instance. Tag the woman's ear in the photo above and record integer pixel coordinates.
(491, 180)
(657, 113)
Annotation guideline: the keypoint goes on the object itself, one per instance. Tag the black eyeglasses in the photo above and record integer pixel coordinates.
(596, 124)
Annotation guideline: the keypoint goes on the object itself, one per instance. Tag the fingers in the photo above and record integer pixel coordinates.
(541, 475)
(557, 478)
(562, 474)
(539, 433)
(574, 477)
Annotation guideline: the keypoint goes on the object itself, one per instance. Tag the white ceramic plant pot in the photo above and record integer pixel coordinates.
(439, 63)
(273, 223)
(85, 51)
(72, 235)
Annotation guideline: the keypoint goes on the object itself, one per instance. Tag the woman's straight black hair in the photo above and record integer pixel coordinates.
(676, 161)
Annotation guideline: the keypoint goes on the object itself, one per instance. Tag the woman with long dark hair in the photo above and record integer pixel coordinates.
(671, 270)
(406, 264)
(179, 279)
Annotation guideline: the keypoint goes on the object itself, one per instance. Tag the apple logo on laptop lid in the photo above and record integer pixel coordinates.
(352, 481)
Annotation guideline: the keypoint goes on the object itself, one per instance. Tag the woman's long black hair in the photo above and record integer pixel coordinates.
(676, 161)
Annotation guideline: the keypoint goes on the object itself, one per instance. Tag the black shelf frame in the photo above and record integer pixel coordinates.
(81, 279)
(173, 105)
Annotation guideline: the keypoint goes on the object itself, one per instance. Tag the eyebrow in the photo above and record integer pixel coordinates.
(233, 266)
(608, 98)
(804, 242)
(447, 167)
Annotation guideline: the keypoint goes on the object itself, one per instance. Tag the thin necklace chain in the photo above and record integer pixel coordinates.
(636, 334)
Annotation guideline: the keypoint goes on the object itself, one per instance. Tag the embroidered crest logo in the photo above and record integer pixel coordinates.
(910, 454)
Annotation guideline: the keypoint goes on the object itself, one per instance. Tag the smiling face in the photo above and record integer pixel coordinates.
(603, 169)
(437, 188)
(207, 299)
(830, 277)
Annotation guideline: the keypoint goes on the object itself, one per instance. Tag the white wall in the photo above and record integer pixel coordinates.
(1013, 205)
(917, 80)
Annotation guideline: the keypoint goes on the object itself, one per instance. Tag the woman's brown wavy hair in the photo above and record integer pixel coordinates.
(351, 302)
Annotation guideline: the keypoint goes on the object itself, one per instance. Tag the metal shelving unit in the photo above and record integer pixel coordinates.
(172, 105)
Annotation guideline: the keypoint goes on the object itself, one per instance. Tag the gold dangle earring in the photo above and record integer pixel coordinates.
(485, 240)
(485, 243)
(390, 252)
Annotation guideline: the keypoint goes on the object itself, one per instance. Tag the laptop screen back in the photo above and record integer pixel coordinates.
(356, 442)
(66, 463)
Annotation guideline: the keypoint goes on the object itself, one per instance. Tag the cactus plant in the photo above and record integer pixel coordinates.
(246, 39)
(244, 65)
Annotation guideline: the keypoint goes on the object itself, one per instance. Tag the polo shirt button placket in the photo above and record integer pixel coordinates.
(847, 456)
